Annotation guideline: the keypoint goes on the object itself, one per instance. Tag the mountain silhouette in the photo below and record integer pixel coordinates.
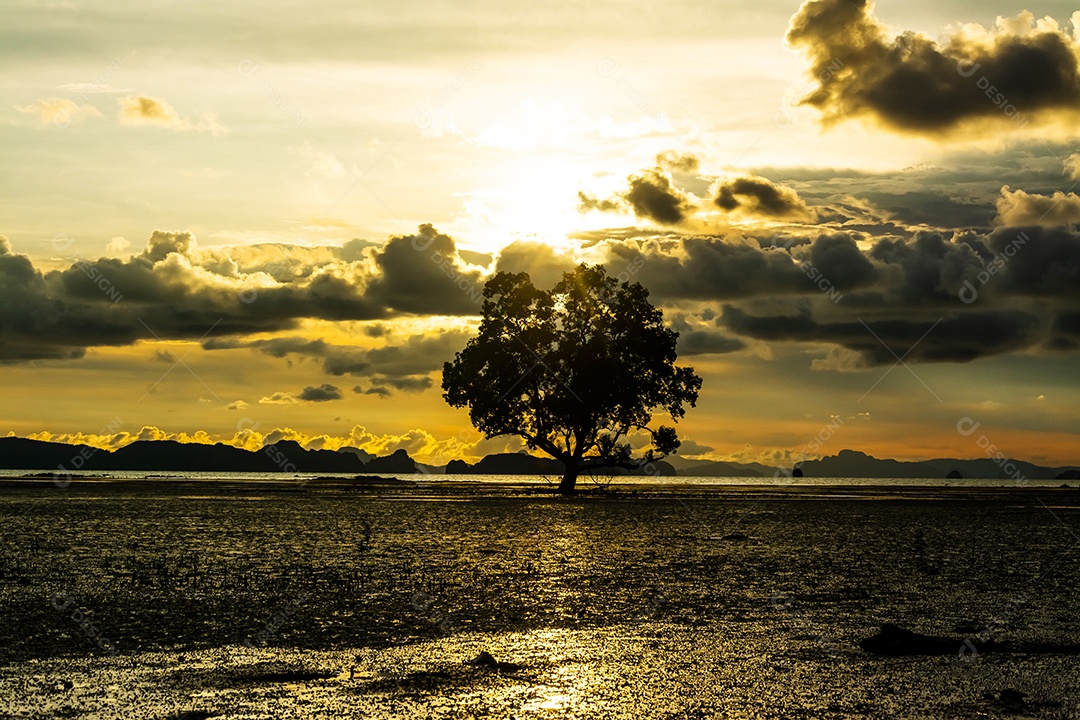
(285, 456)
(524, 464)
(288, 456)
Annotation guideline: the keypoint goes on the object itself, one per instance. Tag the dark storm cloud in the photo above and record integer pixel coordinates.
(698, 334)
(1036, 261)
(761, 197)
(1065, 332)
(37, 326)
(418, 355)
(926, 269)
(714, 268)
(701, 342)
(838, 258)
(322, 393)
(994, 293)
(651, 195)
(1010, 288)
(961, 190)
(1012, 74)
(423, 274)
(174, 290)
(932, 208)
(959, 337)
(1030, 262)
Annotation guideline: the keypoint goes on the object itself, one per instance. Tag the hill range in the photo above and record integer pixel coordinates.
(289, 457)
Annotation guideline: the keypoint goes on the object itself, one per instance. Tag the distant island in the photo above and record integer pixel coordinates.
(288, 456)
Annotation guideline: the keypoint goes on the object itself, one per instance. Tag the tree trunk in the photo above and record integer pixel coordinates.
(566, 487)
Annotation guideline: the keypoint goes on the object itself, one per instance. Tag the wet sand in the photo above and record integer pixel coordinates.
(140, 599)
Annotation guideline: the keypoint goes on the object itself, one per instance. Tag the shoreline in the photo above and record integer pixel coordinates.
(517, 487)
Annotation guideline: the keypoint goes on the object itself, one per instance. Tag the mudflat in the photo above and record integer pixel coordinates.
(257, 600)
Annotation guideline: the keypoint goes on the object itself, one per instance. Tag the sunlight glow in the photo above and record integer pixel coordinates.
(537, 200)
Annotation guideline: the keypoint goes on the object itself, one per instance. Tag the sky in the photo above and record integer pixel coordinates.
(246, 222)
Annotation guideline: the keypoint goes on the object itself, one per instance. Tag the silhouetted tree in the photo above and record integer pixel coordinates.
(572, 370)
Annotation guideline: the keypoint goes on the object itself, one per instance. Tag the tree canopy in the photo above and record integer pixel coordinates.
(573, 370)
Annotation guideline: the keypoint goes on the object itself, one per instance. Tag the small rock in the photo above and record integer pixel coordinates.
(487, 660)
(1012, 699)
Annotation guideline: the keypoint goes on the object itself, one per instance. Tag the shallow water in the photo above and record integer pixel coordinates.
(256, 602)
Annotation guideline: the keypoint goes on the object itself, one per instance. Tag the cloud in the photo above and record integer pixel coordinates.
(994, 293)
(759, 196)
(162, 244)
(676, 161)
(1016, 72)
(419, 443)
(1072, 166)
(423, 273)
(824, 280)
(838, 259)
(406, 383)
(959, 337)
(279, 398)
(544, 263)
(236, 405)
(1018, 208)
(60, 111)
(405, 367)
(142, 110)
(85, 88)
(325, 164)
(1035, 262)
(322, 393)
(379, 391)
(702, 342)
(715, 268)
(588, 202)
(692, 448)
(1065, 331)
(174, 289)
(650, 194)
(117, 245)
(5, 245)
